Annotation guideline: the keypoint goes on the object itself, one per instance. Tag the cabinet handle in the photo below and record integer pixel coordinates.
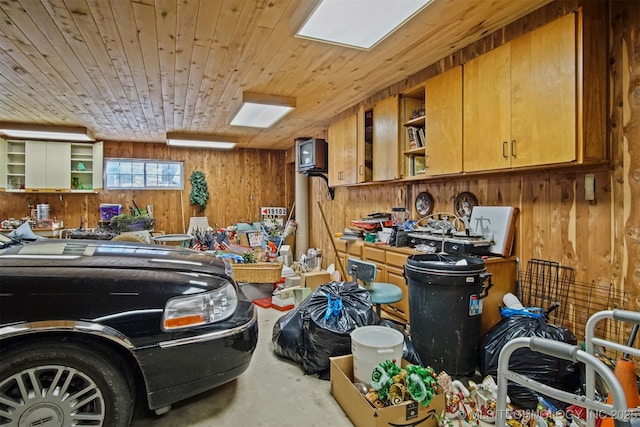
(340, 176)
(504, 149)
(361, 170)
(513, 148)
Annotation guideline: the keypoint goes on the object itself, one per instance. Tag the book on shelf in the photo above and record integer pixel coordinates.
(421, 138)
(412, 137)
(419, 165)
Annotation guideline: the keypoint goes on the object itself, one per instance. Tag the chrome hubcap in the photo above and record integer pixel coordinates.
(51, 396)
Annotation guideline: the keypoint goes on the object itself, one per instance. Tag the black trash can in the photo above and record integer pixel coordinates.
(445, 305)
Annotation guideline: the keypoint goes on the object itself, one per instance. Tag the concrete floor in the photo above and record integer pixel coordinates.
(272, 392)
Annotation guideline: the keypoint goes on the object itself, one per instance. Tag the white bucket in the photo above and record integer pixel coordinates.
(372, 345)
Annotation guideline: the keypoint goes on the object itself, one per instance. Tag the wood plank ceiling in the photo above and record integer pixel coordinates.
(134, 70)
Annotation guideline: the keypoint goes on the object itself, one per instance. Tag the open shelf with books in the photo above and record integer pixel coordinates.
(414, 119)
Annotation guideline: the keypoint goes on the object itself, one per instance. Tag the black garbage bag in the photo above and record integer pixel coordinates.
(549, 370)
(320, 327)
(409, 352)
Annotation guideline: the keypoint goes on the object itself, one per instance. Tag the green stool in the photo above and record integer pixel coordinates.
(364, 273)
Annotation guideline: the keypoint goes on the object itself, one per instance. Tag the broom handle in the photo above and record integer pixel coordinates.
(286, 224)
(335, 251)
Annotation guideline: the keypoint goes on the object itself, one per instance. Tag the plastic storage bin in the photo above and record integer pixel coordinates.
(108, 211)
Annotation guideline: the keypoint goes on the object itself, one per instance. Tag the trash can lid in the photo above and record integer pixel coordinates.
(448, 262)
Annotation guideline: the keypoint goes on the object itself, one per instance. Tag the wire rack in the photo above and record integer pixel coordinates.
(569, 303)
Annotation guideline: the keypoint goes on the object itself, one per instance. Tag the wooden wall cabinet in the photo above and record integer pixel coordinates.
(386, 139)
(363, 146)
(523, 101)
(443, 123)
(432, 121)
(413, 132)
(343, 151)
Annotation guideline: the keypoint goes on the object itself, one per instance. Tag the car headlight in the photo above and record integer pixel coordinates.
(201, 309)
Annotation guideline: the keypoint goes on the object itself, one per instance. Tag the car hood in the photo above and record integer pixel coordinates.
(109, 254)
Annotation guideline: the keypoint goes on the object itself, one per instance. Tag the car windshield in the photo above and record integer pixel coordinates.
(6, 241)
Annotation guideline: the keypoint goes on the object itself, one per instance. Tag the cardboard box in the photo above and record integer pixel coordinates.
(363, 414)
(314, 279)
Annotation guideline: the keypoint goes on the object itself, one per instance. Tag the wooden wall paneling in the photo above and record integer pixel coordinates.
(625, 133)
(232, 177)
(527, 232)
(563, 225)
(598, 255)
(593, 120)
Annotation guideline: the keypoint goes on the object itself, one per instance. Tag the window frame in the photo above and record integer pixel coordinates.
(145, 174)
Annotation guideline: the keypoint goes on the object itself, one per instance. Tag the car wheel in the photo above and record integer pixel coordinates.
(58, 383)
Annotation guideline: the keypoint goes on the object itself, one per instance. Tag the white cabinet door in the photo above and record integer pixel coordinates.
(97, 166)
(58, 161)
(3, 163)
(35, 169)
(47, 165)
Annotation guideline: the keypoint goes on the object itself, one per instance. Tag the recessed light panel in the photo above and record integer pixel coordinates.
(358, 23)
(261, 110)
(199, 141)
(259, 115)
(45, 132)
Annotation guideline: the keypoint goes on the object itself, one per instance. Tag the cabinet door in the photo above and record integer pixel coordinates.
(395, 276)
(504, 276)
(97, 165)
(543, 94)
(35, 153)
(4, 161)
(47, 165)
(386, 139)
(343, 137)
(487, 114)
(58, 164)
(443, 123)
(365, 145)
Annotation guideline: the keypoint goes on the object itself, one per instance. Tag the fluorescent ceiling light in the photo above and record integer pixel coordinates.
(199, 141)
(262, 111)
(358, 23)
(49, 132)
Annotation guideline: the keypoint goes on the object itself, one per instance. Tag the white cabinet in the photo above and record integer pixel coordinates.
(46, 166)
(13, 172)
(50, 166)
(86, 167)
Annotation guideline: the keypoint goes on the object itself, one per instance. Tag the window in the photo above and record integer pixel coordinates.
(141, 174)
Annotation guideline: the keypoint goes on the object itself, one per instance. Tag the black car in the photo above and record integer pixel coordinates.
(85, 324)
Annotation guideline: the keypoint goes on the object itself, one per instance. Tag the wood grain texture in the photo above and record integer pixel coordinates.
(598, 238)
(237, 181)
(134, 70)
(624, 72)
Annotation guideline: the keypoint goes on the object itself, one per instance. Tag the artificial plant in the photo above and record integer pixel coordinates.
(199, 190)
